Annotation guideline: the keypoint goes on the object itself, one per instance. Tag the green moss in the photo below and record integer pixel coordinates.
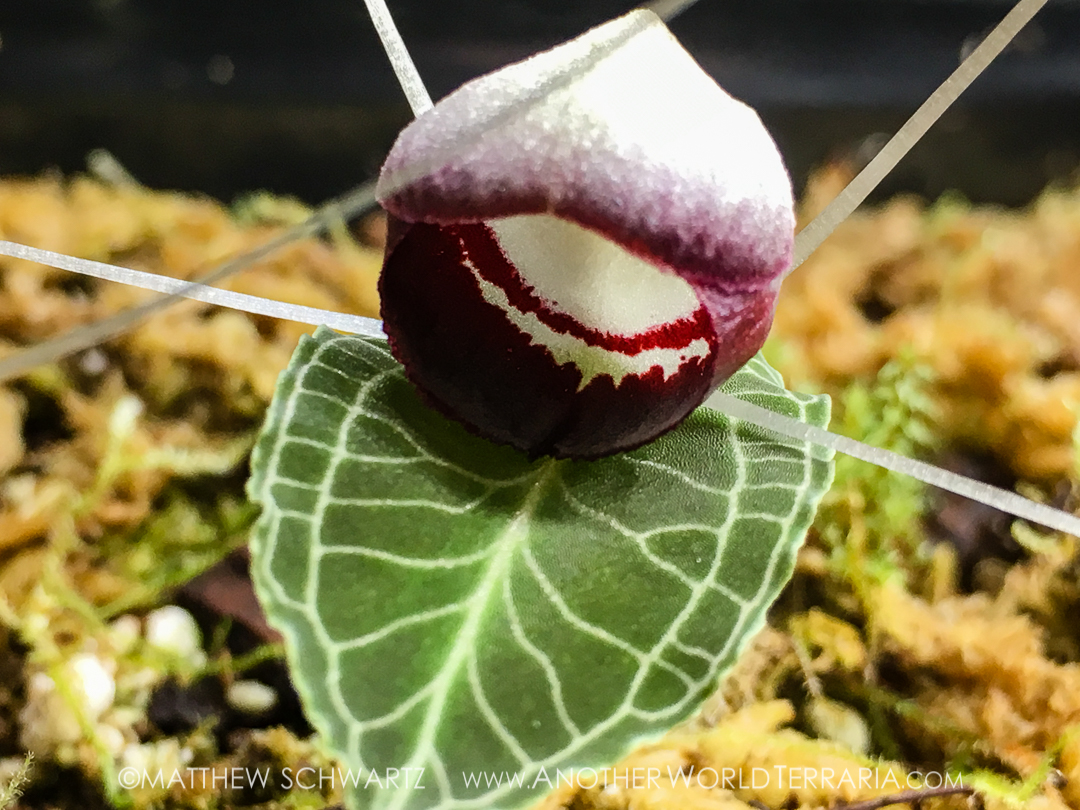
(870, 520)
(12, 790)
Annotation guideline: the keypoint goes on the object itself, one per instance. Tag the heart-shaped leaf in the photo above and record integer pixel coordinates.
(452, 606)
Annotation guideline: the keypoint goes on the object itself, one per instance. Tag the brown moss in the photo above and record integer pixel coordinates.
(197, 376)
(102, 458)
(990, 299)
(989, 672)
(747, 759)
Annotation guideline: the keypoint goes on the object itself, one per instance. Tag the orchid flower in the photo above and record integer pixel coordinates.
(579, 279)
(474, 127)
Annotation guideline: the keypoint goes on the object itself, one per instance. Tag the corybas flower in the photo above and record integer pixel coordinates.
(583, 245)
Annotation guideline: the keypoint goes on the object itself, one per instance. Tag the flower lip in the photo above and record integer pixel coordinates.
(665, 328)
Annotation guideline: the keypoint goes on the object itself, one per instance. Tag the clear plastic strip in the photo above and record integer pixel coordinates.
(810, 238)
(198, 292)
(668, 9)
(350, 205)
(404, 67)
(1002, 499)
(792, 428)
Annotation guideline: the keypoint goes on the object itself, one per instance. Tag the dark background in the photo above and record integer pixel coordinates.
(296, 96)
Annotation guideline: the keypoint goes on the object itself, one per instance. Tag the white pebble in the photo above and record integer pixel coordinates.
(251, 697)
(173, 630)
(112, 739)
(47, 721)
(124, 632)
(93, 362)
(95, 682)
(840, 723)
(165, 756)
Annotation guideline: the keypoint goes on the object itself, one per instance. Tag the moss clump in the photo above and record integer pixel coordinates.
(939, 330)
(122, 472)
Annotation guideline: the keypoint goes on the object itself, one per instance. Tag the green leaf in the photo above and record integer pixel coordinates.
(448, 604)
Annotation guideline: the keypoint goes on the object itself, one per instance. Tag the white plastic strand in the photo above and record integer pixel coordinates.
(404, 67)
(810, 238)
(668, 9)
(1002, 499)
(357, 201)
(197, 292)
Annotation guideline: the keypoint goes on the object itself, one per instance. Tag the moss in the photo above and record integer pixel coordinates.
(870, 520)
(934, 328)
(123, 467)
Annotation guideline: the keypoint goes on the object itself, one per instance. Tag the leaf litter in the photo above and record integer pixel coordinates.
(941, 329)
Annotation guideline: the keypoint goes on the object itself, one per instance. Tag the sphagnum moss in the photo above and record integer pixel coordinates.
(940, 677)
